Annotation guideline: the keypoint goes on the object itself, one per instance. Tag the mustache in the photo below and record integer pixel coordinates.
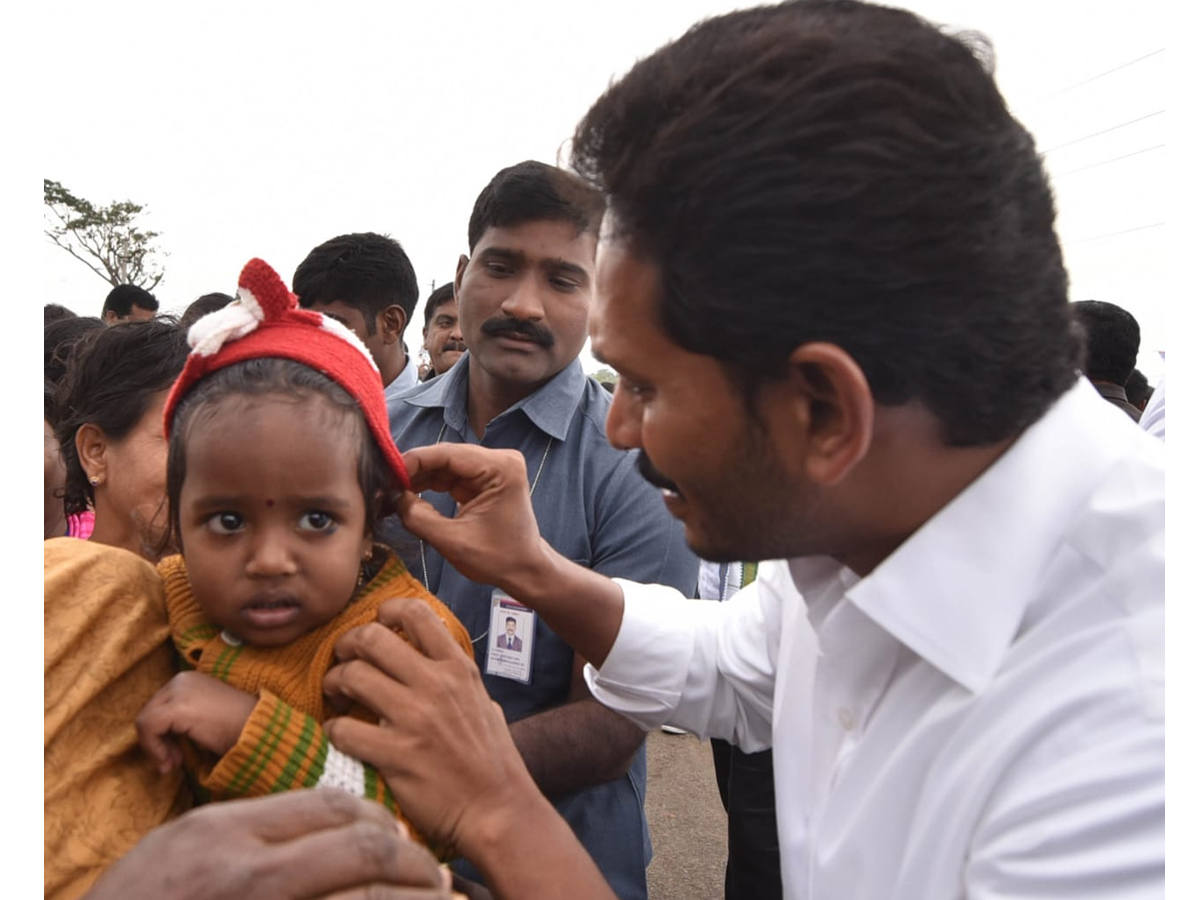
(648, 471)
(460, 346)
(508, 325)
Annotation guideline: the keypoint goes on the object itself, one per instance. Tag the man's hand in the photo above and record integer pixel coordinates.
(447, 755)
(493, 537)
(442, 744)
(198, 706)
(302, 845)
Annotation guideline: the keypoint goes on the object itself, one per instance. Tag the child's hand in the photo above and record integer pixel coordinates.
(198, 706)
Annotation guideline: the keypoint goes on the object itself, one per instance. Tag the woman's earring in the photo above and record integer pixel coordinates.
(94, 480)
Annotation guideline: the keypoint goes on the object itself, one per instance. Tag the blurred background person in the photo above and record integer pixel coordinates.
(126, 302)
(55, 311)
(201, 307)
(1138, 390)
(109, 409)
(1112, 341)
(442, 335)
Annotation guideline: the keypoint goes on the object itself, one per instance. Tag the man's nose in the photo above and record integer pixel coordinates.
(623, 425)
(525, 300)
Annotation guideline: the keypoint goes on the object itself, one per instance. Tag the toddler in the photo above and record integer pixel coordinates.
(279, 464)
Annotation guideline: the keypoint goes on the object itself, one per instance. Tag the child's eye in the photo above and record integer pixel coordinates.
(316, 521)
(225, 523)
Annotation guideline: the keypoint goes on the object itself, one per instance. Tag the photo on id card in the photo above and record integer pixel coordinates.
(510, 639)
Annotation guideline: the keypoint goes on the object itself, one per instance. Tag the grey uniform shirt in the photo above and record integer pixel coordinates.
(594, 508)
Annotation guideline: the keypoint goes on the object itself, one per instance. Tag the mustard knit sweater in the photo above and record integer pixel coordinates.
(282, 746)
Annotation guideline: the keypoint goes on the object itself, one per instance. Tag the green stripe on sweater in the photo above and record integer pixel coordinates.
(261, 753)
(292, 768)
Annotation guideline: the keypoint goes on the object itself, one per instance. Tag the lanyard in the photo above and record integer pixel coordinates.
(532, 487)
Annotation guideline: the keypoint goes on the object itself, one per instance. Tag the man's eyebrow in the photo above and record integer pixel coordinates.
(502, 253)
(561, 266)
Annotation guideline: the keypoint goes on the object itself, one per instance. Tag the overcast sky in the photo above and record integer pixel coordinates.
(263, 129)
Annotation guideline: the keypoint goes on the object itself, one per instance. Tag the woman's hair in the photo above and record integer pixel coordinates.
(112, 376)
(274, 377)
(62, 336)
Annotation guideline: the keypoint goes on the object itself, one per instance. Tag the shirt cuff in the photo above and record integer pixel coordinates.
(645, 671)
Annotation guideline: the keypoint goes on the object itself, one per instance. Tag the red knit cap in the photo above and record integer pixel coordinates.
(265, 321)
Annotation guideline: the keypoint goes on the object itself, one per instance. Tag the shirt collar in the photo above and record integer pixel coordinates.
(550, 407)
(1111, 391)
(957, 590)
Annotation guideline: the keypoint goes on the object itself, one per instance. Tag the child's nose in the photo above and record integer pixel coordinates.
(271, 555)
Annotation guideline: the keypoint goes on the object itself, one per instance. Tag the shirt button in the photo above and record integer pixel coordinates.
(845, 718)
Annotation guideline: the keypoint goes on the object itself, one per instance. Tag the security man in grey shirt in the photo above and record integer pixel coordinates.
(523, 297)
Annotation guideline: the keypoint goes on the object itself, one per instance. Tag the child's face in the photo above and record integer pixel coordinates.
(272, 519)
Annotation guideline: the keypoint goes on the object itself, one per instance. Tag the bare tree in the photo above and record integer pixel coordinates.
(106, 239)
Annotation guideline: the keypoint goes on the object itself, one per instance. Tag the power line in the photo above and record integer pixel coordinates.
(1123, 65)
(1087, 137)
(1115, 233)
(1112, 159)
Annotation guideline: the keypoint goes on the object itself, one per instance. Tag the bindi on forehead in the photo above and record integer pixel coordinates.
(270, 503)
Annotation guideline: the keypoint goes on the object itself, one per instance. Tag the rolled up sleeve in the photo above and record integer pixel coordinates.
(706, 667)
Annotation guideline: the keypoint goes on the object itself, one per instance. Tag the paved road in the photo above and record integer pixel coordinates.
(687, 821)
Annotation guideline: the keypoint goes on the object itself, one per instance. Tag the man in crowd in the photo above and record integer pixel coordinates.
(367, 283)
(442, 335)
(829, 279)
(1113, 340)
(126, 302)
(524, 294)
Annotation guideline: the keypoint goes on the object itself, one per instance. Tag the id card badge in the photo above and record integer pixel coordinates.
(510, 639)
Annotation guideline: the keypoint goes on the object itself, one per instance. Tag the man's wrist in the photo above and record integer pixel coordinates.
(529, 580)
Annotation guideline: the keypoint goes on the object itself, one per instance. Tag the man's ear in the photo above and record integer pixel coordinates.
(392, 322)
(91, 443)
(838, 413)
(110, 317)
(463, 259)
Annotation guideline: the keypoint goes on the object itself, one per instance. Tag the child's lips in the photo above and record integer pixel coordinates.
(271, 610)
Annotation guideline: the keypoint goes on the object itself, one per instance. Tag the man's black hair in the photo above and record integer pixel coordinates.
(1137, 389)
(201, 307)
(366, 271)
(835, 171)
(532, 191)
(122, 299)
(112, 376)
(1113, 340)
(56, 312)
(441, 296)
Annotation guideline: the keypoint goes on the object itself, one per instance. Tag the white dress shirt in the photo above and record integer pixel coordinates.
(1154, 418)
(981, 716)
(404, 382)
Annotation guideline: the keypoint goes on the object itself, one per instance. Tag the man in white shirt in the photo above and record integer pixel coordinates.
(829, 279)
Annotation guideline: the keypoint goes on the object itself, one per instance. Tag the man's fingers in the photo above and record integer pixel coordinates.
(451, 467)
(363, 740)
(379, 645)
(387, 892)
(284, 817)
(336, 859)
(360, 681)
(419, 516)
(426, 631)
